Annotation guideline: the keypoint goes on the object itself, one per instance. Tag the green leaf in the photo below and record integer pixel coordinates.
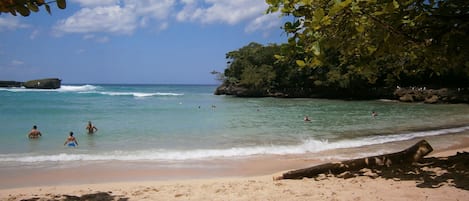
(301, 63)
(378, 13)
(316, 48)
(326, 20)
(278, 57)
(396, 4)
(360, 28)
(33, 7)
(61, 4)
(23, 10)
(47, 8)
(318, 14)
(12, 11)
(371, 49)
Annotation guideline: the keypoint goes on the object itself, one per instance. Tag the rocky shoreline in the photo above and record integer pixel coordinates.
(403, 94)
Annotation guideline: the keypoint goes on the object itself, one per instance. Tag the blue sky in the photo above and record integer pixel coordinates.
(132, 41)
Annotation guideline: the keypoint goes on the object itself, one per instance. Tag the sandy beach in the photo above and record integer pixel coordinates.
(440, 181)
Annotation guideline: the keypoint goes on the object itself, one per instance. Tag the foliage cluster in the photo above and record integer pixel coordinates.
(360, 44)
(24, 7)
(380, 42)
(257, 67)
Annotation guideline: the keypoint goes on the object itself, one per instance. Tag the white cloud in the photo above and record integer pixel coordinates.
(113, 19)
(17, 62)
(11, 23)
(157, 9)
(223, 11)
(264, 22)
(163, 26)
(125, 16)
(80, 51)
(93, 3)
(102, 39)
(34, 34)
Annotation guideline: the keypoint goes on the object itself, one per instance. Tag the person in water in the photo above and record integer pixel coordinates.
(34, 133)
(306, 118)
(91, 128)
(71, 141)
(374, 114)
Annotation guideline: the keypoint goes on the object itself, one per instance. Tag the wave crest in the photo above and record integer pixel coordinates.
(138, 94)
(73, 88)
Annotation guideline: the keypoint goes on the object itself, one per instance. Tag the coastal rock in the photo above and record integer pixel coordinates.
(10, 84)
(432, 99)
(406, 98)
(403, 94)
(49, 83)
(422, 94)
(239, 91)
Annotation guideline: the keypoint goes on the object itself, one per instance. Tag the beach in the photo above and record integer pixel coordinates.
(180, 142)
(128, 183)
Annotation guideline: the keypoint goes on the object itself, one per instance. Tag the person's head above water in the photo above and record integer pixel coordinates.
(71, 133)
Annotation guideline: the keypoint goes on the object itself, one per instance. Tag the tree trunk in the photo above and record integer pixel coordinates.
(407, 156)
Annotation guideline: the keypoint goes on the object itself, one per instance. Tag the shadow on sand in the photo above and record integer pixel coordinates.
(432, 172)
(100, 196)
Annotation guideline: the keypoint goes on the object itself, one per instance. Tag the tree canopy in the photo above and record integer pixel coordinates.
(25, 7)
(378, 42)
(357, 48)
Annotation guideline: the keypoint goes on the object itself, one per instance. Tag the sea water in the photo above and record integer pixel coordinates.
(187, 122)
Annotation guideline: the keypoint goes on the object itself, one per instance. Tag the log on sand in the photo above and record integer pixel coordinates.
(405, 157)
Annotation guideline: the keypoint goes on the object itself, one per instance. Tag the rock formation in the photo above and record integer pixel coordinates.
(49, 83)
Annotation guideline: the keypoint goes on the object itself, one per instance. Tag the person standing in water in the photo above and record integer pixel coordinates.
(71, 141)
(34, 133)
(91, 128)
(374, 114)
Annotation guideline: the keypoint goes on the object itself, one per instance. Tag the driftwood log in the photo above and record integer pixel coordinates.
(405, 157)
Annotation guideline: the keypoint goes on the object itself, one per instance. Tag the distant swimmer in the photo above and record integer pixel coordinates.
(34, 133)
(91, 128)
(374, 114)
(306, 119)
(71, 141)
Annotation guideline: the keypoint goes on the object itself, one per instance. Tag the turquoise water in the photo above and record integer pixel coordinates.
(188, 122)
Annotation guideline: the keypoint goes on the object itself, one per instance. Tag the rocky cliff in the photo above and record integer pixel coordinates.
(49, 83)
(10, 84)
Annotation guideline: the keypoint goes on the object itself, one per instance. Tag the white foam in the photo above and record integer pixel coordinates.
(63, 88)
(91, 89)
(138, 94)
(73, 88)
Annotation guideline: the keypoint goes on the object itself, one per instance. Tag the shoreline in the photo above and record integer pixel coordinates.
(249, 179)
(86, 172)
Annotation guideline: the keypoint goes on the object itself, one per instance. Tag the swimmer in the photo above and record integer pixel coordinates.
(91, 128)
(374, 114)
(306, 119)
(34, 133)
(71, 141)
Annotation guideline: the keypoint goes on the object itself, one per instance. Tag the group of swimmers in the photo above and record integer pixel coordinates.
(71, 140)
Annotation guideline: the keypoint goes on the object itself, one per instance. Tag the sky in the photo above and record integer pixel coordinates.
(133, 41)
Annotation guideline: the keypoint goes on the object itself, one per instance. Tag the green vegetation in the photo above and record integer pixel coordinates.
(356, 45)
(24, 7)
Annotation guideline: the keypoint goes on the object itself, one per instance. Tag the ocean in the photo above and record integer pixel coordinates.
(177, 123)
